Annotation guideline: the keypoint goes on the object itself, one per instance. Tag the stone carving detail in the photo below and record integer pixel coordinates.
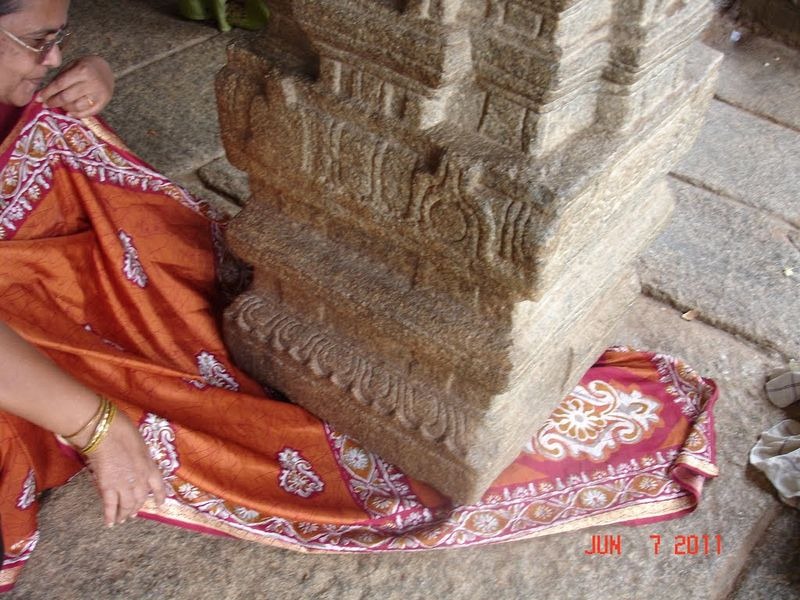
(371, 385)
(447, 176)
(450, 211)
(350, 160)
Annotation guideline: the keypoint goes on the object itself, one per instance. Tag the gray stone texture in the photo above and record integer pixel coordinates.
(759, 75)
(747, 158)
(222, 177)
(165, 67)
(728, 261)
(163, 106)
(445, 206)
(130, 34)
(742, 201)
(773, 569)
(142, 559)
(222, 205)
(172, 130)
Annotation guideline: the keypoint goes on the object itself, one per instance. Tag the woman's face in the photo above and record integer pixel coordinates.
(22, 70)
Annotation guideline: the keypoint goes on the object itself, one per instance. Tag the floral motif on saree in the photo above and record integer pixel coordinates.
(596, 419)
(214, 372)
(159, 436)
(131, 266)
(28, 494)
(297, 476)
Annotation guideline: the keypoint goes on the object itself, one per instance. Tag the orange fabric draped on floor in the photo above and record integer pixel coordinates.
(109, 268)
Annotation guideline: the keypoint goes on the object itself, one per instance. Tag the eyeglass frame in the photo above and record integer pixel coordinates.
(60, 35)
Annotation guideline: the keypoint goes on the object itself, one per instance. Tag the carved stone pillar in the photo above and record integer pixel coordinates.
(447, 197)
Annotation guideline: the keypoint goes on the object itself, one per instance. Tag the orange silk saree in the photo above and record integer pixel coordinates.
(109, 268)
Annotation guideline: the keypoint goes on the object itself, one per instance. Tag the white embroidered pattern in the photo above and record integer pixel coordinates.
(697, 446)
(682, 383)
(297, 476)
(381, 488)
(159, 436)
(514, 512)
(52, 140)
(28, 495)
(214, 373)
(595, 420)
(131, 265)
(21, 551)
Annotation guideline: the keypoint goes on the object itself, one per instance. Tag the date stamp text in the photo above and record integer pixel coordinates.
(678, 545)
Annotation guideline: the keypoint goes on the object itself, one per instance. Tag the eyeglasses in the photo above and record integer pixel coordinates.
(44, 46)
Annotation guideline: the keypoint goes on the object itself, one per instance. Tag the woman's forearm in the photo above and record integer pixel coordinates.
(34, 388)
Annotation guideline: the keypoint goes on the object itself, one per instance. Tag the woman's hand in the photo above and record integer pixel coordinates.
(124, 471)
(83, 88)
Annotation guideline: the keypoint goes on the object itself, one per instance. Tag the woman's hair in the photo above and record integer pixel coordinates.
(8, 6)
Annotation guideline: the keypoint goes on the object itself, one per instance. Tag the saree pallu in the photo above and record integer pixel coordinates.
(109, 268)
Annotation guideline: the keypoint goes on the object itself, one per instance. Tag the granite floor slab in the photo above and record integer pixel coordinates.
(222, 177)
(773, 569)
(758, 74)
(130, 34)
(737, 266)
(747, 158)
(167, 112)
(164, 105)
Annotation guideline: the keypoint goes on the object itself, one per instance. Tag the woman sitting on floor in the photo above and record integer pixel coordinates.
(113, 359)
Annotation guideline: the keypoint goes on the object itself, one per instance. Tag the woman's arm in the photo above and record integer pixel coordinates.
(36, 389)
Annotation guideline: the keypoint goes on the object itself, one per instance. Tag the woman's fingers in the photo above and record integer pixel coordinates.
(84, 106)
(132, 497)
(156, 485)
(139, 496)
(124, 498)
(125, 472)
(110, 504)
(127, 506)
(66, 96)
(76, 100)
(68, 88)
(52, 93)
(84, 88)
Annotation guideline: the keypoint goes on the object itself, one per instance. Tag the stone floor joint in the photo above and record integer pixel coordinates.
(756, 114)
(178, 49)
(694, 182)
(761, 344)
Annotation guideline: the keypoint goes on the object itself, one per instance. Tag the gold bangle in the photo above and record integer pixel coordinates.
(102, 418)
(95, 416)
(101, 431)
